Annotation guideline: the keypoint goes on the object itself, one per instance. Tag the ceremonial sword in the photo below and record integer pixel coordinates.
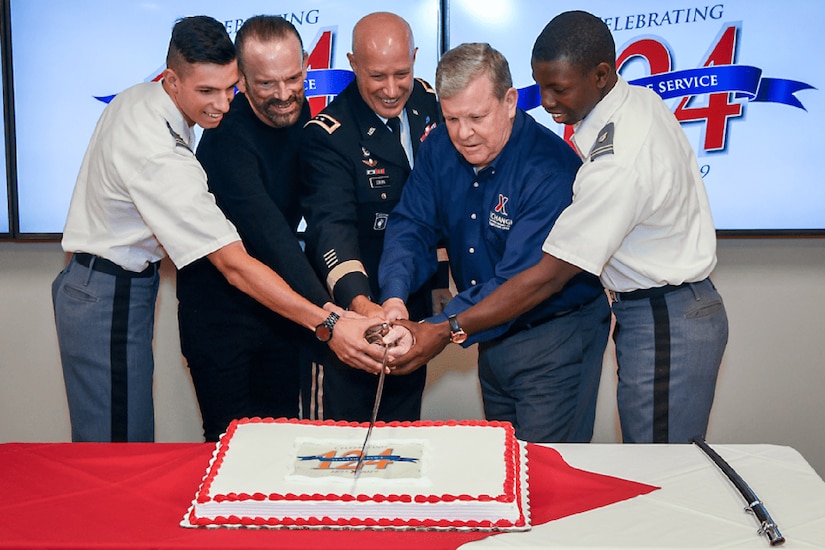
(755, 506)
(374, 336)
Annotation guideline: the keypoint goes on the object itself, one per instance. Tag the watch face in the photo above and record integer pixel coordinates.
(323, 333)
(458, 337)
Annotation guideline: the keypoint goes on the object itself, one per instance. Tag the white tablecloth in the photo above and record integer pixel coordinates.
(696, 507)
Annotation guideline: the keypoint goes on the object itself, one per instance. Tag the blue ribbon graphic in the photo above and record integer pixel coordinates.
(321, 82)
(529, 97)
(743, 80)
(746, 81)
(391, 458)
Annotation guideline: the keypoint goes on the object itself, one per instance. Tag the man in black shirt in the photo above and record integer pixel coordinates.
(244, 359)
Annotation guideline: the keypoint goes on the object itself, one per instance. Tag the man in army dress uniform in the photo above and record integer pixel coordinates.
(354, 166)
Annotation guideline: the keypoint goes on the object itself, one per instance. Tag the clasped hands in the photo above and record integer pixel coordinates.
(409, 344)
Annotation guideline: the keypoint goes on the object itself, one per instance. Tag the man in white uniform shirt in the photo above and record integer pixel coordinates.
(640, 219)
(141, 194)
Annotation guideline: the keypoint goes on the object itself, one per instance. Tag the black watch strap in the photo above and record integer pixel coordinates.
(324, 331)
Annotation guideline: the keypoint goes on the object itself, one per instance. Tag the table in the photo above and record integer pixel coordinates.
(87, 495)
(134, 495)
(697, 506)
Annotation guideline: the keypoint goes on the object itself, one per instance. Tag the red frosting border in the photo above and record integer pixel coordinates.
(512, 491)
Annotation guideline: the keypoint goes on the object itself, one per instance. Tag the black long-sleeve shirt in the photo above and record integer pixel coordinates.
(254, 174)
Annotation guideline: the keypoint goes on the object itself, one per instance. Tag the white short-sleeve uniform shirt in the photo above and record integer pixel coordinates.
(141, 193)
(640, 216)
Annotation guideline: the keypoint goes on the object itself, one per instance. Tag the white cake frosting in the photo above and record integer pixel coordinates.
(430, 475)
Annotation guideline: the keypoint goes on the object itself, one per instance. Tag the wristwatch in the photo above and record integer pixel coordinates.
(457, 334)
(323, 332)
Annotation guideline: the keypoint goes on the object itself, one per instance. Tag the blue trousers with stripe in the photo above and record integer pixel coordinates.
(669, 349)
(105, 325)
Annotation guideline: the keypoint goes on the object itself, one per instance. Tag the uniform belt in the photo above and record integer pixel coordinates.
(644, 293)
(96, 263)
(543, 320)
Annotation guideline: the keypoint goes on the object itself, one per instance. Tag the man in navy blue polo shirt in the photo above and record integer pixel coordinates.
(490, 183)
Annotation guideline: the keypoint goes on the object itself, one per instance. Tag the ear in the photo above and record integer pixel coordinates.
(305, 64)
(601, 75)
(352, 62)
(241, 85)
(511, 101)
(171, 78)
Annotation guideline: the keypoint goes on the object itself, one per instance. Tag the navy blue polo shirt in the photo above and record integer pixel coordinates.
(493, 222)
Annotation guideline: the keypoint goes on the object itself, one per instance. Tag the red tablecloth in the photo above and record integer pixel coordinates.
(134, 495)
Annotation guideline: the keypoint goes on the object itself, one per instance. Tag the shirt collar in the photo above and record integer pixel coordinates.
(402, 117)
(588, 129)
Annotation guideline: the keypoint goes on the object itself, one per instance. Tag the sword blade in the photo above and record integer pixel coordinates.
(375, 406)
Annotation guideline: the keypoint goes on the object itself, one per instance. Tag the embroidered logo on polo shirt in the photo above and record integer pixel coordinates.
(501, 207)
(604, 143)
(499, 218)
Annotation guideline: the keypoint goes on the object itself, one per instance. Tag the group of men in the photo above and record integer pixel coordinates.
(389, 176)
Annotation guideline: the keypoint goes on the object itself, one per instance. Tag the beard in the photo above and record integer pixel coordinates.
(270, 108)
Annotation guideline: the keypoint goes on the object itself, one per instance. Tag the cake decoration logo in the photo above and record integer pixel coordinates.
(316, 459)
(728, 87)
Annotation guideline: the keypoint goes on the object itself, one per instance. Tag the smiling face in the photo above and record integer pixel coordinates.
(202, 91)
(569, 92)
(382, 60)
(272, 78)
(479, 123)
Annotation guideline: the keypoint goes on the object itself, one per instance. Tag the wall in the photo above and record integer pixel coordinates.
(769, 391)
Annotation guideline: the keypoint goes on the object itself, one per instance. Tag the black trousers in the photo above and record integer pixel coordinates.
(243, 365)
(348, 394)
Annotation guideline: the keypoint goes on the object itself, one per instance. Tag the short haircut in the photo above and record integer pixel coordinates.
(577, 37)
(459, 66)
(199, 39)
(264, 28)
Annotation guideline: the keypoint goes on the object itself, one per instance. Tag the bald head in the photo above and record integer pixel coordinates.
(382, 58)
(382, 32)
